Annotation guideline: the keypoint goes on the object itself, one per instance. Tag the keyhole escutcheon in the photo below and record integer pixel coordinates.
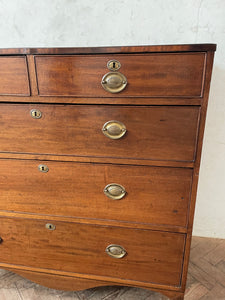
(35, 113)
(43, 168)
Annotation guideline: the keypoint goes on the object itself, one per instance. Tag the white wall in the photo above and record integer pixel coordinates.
(59, 23)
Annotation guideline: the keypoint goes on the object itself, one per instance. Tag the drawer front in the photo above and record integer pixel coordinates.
(160, 133)
(151, 256)
(153, 195)
(14, 76)
(148, 75)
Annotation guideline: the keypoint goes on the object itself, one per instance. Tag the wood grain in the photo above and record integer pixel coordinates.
(161, 194)
(112, 49)
(148, 75)
(96, 100)
(92, 159)
(156, 133)
(163, 108)
(151, 256)
(14, 76)
(209, 250)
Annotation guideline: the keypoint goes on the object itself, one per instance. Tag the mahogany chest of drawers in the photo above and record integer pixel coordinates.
(100, 155)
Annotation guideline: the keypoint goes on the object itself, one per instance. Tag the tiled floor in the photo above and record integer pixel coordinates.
(206, 281)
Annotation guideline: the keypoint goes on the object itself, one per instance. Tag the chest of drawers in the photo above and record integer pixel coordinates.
(100, 155)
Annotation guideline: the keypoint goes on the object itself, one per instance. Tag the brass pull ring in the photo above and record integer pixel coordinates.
(115, 251)
(114, 191)
(114, 82)
(114, 129)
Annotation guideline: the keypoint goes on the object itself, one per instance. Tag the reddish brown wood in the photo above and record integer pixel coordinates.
(118, 49)
(161, 194)
(91, 159)
(156, 133)
(186, 261)
(60, 282)
(148, 75)
(209, 65)
(32, 77)
(81, 248)
(70, 283)
(14, 76)
(151, 256)
(152, 221)
(105, 100)
(94, 221)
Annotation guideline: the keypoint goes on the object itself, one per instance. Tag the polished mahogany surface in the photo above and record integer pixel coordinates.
(99, 173)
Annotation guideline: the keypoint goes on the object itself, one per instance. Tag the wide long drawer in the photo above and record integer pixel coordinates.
(147, 75)
(152, 195)
(145, 255)
(160, 133)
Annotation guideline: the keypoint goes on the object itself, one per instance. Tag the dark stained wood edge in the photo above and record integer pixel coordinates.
(69, 283)
(114, 49)
(93, 221)
(209, 64)
(186, 261)
(210, 57)
(192, 202)
(92, 159)
(107, 100)
(32, 78)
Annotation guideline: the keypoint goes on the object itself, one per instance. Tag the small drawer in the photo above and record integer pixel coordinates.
(132, 132)
(131, 254)
(145, 75)
(14, 76)
(150, 195)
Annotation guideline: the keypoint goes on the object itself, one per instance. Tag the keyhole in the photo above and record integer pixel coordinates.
(50, 226)
(43, 168)
(35, 113)
(113, 65)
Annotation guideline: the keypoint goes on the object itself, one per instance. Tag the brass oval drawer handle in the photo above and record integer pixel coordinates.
(114, 191)
(35, 113)
(43, 168)
(115, 251)
(114, 82)
(114, 129)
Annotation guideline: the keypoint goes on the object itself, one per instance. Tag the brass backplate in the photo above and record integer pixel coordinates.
(114, 129)
(115, 251)
(114, 191)
(114, 82)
